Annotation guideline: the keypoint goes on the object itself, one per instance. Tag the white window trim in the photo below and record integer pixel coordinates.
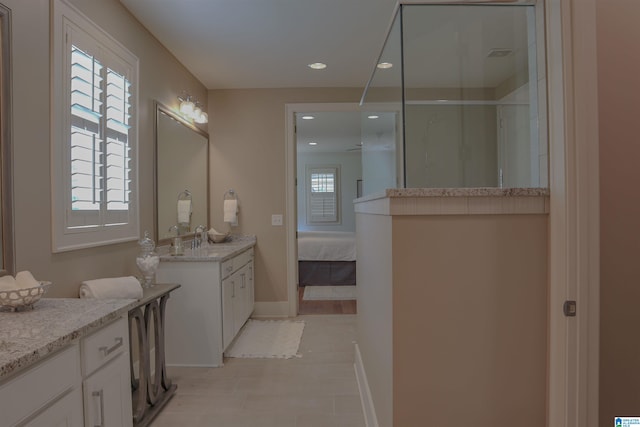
(63, 237)
(337, 185)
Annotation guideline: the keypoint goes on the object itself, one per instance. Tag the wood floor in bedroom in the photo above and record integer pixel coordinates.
(325, 307)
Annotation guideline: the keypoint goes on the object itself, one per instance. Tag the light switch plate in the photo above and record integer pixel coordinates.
(276, 219)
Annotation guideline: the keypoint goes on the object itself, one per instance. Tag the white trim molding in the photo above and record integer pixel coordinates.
(574, 213)
(370, 419)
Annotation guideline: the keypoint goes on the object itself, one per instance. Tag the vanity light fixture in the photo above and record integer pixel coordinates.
(384, 65)
(190, 108)
(308, 117)
(317, 66)
(372, 117)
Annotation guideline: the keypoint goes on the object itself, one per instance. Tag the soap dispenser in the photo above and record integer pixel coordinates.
(147, 260)
(176, 246)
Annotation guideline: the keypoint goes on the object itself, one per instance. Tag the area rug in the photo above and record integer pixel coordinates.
(314, 293)
(267, 339)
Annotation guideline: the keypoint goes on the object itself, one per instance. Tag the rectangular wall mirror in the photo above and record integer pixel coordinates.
(182, 164)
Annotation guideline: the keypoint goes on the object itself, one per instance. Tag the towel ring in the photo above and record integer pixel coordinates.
(230, 195)
(185, 195)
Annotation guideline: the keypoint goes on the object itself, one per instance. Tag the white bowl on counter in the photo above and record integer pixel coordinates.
(23, 298)
(217, 237)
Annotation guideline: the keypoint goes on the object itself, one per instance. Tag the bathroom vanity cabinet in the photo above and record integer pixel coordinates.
(215, 299)
(71, 371)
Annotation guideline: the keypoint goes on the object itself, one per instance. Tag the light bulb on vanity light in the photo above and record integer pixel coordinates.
(202, 118)
(186, 107)
(190, 108)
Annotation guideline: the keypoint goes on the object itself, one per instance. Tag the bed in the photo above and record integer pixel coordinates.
(326, 258)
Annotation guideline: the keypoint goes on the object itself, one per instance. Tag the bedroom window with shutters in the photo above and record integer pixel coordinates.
(94, 135)
(323, 185)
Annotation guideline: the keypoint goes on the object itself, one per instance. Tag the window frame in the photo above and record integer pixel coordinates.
(70, 25)
(310, 170)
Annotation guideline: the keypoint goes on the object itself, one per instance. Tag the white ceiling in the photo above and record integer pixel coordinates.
(268, 43)
(335, 132)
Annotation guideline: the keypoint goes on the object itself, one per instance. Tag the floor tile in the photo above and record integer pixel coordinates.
(318, 389)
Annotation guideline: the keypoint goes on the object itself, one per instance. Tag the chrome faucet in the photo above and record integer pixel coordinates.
(200, 239)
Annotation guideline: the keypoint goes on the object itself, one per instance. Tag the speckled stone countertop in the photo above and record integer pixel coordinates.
(455, 201)
(28, 336)
(457, 192)
(215, 252)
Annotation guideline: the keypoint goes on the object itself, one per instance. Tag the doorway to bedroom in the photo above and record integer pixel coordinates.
(328, 179)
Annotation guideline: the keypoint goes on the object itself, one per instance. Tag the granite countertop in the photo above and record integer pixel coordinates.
(28, 336)
(215, 252)
(457, 192)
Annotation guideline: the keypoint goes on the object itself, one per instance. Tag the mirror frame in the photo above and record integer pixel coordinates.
(6, 143)
(163, 109)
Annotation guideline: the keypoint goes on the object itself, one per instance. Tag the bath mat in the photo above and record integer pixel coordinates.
(313, 293)
(267, 339)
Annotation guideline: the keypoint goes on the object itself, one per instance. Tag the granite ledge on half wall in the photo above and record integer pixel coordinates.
(457, 192)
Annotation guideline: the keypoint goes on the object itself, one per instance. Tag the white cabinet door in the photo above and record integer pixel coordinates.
(251, 293)
(107, 395)
(228, 299)
(240, 301)
(66, 412)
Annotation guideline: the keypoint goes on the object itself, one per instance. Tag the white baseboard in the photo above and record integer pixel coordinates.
(271, 309)
(369, 410)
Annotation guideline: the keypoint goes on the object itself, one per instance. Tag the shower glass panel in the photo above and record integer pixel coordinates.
(381, 127)
(473, 95)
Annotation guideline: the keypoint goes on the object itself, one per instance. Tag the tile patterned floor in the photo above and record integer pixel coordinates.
(317, 390)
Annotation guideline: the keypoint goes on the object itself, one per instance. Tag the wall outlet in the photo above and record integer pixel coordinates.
(276, 219)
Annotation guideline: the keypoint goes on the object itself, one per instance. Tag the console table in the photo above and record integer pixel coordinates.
(150, 394)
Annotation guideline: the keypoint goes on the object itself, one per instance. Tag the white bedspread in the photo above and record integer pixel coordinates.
(326, 246)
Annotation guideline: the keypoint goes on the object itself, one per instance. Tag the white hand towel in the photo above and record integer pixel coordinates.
(231, 211)
(111, 288)
(25, 280)
(8, 283)
(184, 211)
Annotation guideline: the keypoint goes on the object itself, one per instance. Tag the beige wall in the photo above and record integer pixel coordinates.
(469, 320)
(161, 78)
(247, 132)
(463, 300)
(618, 88)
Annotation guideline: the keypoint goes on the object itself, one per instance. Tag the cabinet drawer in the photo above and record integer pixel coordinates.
(233, 264)
(40, 385)
(104, 345)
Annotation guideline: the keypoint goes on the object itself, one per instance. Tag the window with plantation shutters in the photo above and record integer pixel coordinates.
(323, 195)
(94, 135)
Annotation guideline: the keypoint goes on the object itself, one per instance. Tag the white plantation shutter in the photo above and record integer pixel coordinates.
(94, 148)
(322, 195)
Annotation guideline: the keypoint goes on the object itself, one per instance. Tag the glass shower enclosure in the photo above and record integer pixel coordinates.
(465, 86)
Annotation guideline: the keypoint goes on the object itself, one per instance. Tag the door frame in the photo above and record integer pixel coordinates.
(574, 219)
(291, 194)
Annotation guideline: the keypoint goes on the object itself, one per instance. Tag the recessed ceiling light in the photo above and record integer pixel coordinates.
(308, 117)
(313, 143)
(317, 66)
(372, 117)
(385, 65)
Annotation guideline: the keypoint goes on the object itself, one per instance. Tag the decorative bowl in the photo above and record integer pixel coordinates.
(216, 237)
(24, 298)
